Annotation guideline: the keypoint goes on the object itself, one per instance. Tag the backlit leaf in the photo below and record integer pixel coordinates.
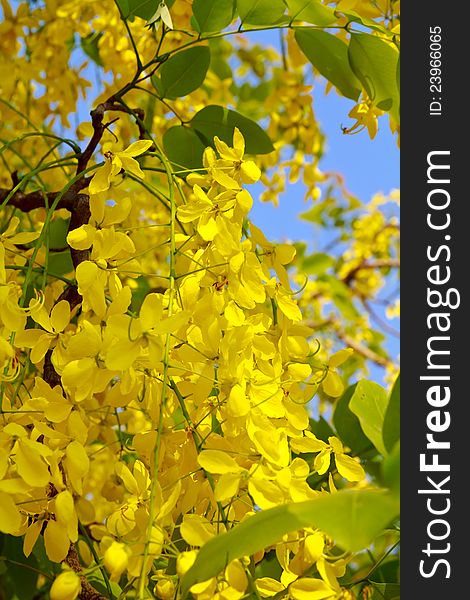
(352, 517)
(369, 403)
(329, 55)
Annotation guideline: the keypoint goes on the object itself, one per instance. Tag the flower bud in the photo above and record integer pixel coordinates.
(165, 589)
(115, 560)
(66, 586)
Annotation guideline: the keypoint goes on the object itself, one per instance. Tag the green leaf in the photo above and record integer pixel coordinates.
(355, 17)
(184, 72)
(123, 7)
(316, 213)
(145, 9)
(321, 428)
(57, 233)
(260, 12)
(139, 293)
(60, 264)
(311, 11)
(183, 147)
(221, 51)
(213, 15)
(329, 55)
(388, 570)
(219, 121)
(20, 581)
(352, 517)
(89, 45)
(374, 62)
(391, 470)
(97, 581)
(269, 567)
(341, 296)
(391, 426)
(385, 591)
(369, 403)
(317, 263)
(348, 425)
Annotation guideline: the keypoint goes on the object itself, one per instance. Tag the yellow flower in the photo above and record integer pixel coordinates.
(39, 340)
(114, 162)
(347, 467)
(366, 115)
(332, 383)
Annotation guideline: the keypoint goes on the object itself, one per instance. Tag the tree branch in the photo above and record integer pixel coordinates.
(29, 201)
(364, 350)
(87, 592)
(376, 264)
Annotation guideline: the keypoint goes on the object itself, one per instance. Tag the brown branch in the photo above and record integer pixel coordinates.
(97, 116)
(88, 592)
(28, 201)
(364, 350)
(376, 264)
(80, 216)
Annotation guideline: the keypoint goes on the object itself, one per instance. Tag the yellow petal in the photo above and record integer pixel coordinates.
(66, 586)
(225, 180)
(314, 545)
(28, 338)
(310, 589)
(30, 465)
(285, 253)
(265, 494)
(66, 515)
(121, 355)
(349, 468)
(129, 481)
(60, 315)
(10, 517)
(238, 141)
(31, 537)
(196, 530)
(218, 462)
(207, 227)
(42, 346)
(77, 465)
(82, 237)
(236, 577)
(56, 541)
(86, 275)
(309, 443)
(56, 412)
(151, 311)
(322, 462)
(227, 486)
(137, 148)
(333, 384)
(101, 179)
(132, 166)
(238, 403)
(268, 587)
(24, 237)
(234, 314)
(338, 358)
(288, 306)
(250, 172)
